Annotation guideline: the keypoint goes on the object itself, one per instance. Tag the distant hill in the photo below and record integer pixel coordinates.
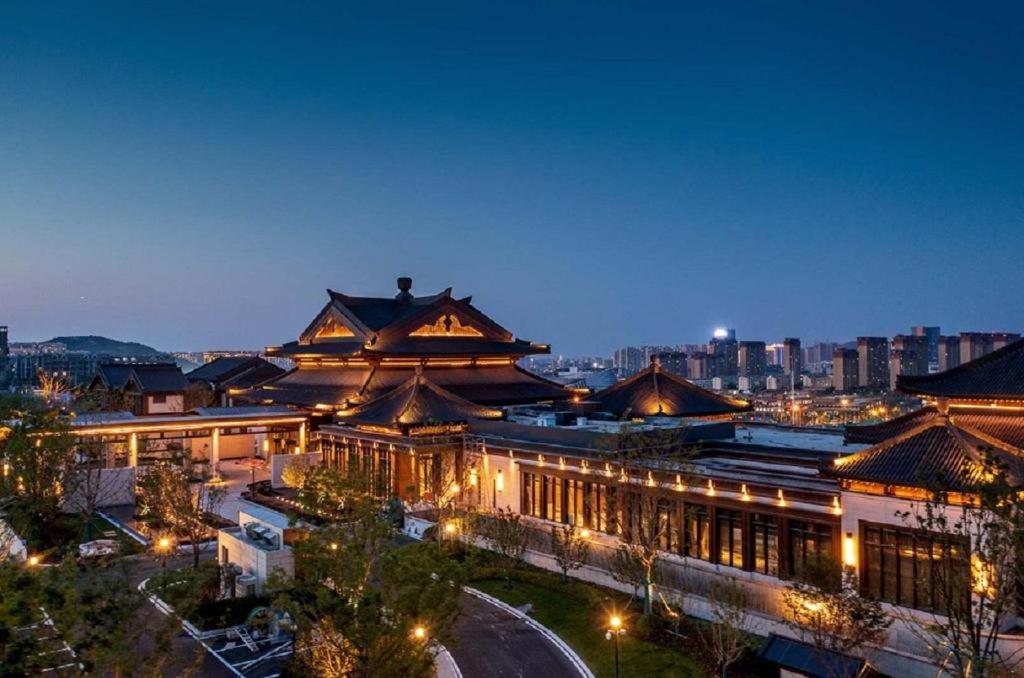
(105, 346)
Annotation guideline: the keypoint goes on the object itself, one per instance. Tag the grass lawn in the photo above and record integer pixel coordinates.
(579, 618)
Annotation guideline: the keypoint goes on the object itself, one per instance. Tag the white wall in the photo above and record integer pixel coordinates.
(113, 487)
(233, 548)
(172, 404)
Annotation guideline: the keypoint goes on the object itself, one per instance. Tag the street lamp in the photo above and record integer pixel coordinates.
(419, 633)
(614, 631)
(33, 561)
(163, 547)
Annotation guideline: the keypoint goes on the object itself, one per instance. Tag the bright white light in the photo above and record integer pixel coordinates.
(721, 333)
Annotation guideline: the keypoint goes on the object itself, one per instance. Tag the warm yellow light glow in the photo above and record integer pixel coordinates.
(650, 479)
(455, 488)
(615, 622)
(812, 606)
(164, 544)
(33, 561)
(836, 508)
(499, 481)
(540, 460)
(608, 469)
(472, 477)
(711, 487)
(849, 550)
(585, 533)
(419, 632)
(679, 483)
(334, 546)
(782, 498)
(266, 445)
(981, 574)
(743, 491)
(451, 527)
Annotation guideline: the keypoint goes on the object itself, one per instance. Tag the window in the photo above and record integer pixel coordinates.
(907, 567)
(575, 504)
(158, 399)
(765, 533)
(697, 540)
(808, 542)
(668, 526)
(730, 537)
(596, 508)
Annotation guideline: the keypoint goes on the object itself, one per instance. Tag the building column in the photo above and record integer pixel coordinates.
(215, 455)
(133, 450)
(302, 438)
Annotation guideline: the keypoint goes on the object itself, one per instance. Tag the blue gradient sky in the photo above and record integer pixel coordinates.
(594, 173)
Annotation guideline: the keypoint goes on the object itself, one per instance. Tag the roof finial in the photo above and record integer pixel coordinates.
(656, 362)
(404, 285)
(419, 374)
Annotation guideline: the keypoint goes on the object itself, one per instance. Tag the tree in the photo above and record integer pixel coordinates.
(828, 612)
(727, 637)
(508, 537)
(569, 548)
(179, 502)
(36, 459)
(638, 516)
(979, 575)
(90, 484)
(357, 600)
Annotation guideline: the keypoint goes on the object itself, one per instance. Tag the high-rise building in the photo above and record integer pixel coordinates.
(909, 356)
(628, 361)
(949, 353)
(792, 360)
(674, 362)
(5, 348)
(872, 362)
(724, 352)
(775, 355)
(973, 345)
(753, 359)
(845, 369)
(698, 365)
(931, 334)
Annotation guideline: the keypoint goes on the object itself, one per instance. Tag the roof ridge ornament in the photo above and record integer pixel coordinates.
(404, 285)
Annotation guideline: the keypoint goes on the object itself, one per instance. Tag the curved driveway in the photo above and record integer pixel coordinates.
(494, 644)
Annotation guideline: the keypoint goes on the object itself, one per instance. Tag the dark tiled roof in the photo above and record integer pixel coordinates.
(996, 376)
(219, 368)
(377, 313)
(344, 347)
(417, 401)
(939, 453)
(114, 375)
(159, 378)
(807, 660)
(1005, 426)
(655, 392)
(309, 387)
(455, 346)
(246, 410)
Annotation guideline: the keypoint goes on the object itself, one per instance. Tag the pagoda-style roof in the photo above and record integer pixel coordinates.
(940, 452)
(654, 392)
(1006, 426)
(998, 376)
(417, 401)
(485, 385)
(438, 325)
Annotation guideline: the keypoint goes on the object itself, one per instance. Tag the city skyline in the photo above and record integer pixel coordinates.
(600, 176)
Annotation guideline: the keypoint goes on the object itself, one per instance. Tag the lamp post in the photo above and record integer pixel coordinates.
(614, 631)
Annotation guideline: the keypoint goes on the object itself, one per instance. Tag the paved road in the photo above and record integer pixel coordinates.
(494, 644)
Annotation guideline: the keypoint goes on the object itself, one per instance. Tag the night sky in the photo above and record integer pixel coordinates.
(595, 174)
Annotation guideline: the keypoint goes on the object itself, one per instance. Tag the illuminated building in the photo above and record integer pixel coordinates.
(753, 359)
(872, 362)
(359, 349)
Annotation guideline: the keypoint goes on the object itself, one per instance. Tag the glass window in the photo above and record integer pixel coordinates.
(698, 527)
(907, 567)
(807, 542)
(667, 525)
(766, 544)
(730, 538)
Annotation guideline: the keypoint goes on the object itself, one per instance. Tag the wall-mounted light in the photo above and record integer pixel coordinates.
(782, 497)
(836, 508)
(711, 487)
(744, 494)
(499, 481)
(472, 477)
(650, 479)
(849, 550)
(679, 483)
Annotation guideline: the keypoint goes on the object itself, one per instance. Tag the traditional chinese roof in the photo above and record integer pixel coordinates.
(1003, 425)
(235, 372)
(143, 377)
(358, 349)
(939, 452)
(653, 392)
(417, 401)
(484, 385)
(996, 376)
(435, 325)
